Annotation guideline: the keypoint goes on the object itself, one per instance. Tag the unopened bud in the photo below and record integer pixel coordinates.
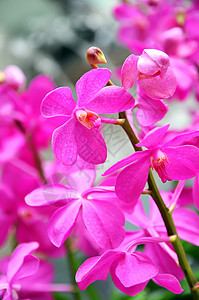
(95, 56)
(14, 77)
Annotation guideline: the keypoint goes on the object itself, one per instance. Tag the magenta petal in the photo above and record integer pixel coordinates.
(91, 146)
(154, 137)
(196, 191)
(105, 222)
(59, 102)
(183, 162)
(159, 88)
(187, 224)
(49, 194)
(126, 161)
(30, 266)
(38, 88)
(129, 71)
(90, 84)
(133, 290)
(111, 99)
(95, 268)
(64, 144)
(152, 60)
(62, 222)
(146, 65)
(134, 269)
(169, 282)
(131, 181)
(182, 138)
(150, 111)
(18, 256)
(163, 260)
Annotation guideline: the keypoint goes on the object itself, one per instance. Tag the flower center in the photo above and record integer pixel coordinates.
(158, 162)
(88, 118)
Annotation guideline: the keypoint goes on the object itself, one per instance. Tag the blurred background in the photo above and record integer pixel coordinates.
(52, 36)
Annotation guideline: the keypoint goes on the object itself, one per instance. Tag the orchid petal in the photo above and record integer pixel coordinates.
(111, 99)
(154, 137)
(29, 267)
(18, 256)
(133, 290)
(163, 260)
(64, 144)
(159, 88)
(104, 222)
(37, 90)
(151, 61)
(95, 268)
(183, 162)
(49, 194)
(126, 161)
(91, 146)
(182, 138)
(187, 224)
(90, 84)
(150, 111)
(58, 102)
(62, 222)
(134, 269)
(169, 282)
(196, 191)
(131, 181)
(129, 71)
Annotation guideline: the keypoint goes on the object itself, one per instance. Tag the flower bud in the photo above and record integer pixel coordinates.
(95, 56)
(153, 62)
(14, 77)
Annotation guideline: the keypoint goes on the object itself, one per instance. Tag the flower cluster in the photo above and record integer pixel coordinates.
(48, 206)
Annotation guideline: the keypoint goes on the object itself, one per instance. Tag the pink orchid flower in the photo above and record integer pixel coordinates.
(102, 219)
(186, 222)
(80, 134)
(130, 270)
(171, 161)
(152, 71)
(24, 276)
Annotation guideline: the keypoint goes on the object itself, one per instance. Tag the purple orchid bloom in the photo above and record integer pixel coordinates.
(80, 134)
(152, 71)
(186, 222)
(130, 270)
(26, 277)
(171, 161)
(102, 219)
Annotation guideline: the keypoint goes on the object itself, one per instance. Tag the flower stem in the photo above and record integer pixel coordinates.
(37, 158)
(165, 213)
(33, 150)
(73, 269)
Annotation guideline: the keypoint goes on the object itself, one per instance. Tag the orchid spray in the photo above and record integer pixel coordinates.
(61, 207)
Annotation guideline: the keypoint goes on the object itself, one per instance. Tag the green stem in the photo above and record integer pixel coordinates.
(73, 269)
(165, 213)
(37, 158)
(34, 151)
